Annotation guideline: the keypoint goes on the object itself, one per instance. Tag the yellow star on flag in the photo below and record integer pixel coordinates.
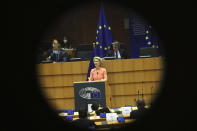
(97, 32)
(147, 32)
(97, 43)
(108, 47)
(100, 27)
(100, 46)
(105, 48)
(146, 37)
(149, 43)
(109, 28)
(105, 26)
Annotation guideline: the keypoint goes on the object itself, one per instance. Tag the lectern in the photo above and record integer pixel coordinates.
(87, 92)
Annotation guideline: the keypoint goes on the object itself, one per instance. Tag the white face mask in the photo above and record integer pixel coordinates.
(65, 41)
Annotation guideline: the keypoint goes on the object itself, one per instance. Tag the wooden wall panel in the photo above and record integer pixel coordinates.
(149, 63)
(64, 104)
(68, 92)
(46, 81)
(58, 92)
(126, 77)
(51, 69)
(149, 75)
(123, 89)
(67, 80)
(120, 101)
(138, 76)
(57, 80)
(66, 68)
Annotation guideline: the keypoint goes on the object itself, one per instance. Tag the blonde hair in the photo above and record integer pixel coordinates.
(98, 58)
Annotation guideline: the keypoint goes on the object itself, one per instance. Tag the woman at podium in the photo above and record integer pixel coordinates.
(98, 73)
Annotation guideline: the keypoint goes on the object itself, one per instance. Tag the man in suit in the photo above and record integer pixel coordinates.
(83, 122)
(56, 54)
(117, 52)
(98, 109)
(137, 114)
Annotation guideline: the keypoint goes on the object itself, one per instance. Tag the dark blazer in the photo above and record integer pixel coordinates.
(103, 110)
(83, 123)
(61, 57)
(123, 53)
(65, 45)
(137, 114)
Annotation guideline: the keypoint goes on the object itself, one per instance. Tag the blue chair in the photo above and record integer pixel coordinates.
(103, 115)
(120, 119)
(70, 112)
(69, 118)
(91, 127)
(128, 106)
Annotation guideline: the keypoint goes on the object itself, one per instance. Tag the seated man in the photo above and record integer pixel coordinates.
(58, 55)
(136, 114)
(83, 122)
(98, 109)
(117, 52)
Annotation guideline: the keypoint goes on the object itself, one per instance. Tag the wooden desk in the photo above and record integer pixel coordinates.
(92, 114)
(75, 115)
(99, 119)
(109, 124)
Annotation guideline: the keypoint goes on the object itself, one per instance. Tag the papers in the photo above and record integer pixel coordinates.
(126, 110)
(111, 116)
(89, 108)
(109, 58)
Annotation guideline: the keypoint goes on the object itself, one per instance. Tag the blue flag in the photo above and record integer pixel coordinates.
(103, 41)
(150, 38)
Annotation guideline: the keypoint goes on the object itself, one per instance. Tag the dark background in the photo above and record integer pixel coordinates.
(79, 24)
(25, 106)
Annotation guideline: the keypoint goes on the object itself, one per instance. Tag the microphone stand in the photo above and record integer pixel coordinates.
(142, 90)
(151, 95)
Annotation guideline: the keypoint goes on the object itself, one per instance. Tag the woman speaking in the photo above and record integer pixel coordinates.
(98, 73)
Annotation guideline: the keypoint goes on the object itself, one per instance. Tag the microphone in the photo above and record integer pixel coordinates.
(151, 94)
(142, 90)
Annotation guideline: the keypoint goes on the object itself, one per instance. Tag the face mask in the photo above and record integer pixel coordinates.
(65, 41)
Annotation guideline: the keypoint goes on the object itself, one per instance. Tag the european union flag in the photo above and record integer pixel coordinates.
(149, 37)
(103, 41)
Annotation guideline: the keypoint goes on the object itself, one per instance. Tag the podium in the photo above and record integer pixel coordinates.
(86, 92)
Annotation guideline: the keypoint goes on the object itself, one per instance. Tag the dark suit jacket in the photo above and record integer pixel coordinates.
(61, 57)
(63, 45)
(137, 114)
(103, 110)
(123, 53)
(83, 123)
